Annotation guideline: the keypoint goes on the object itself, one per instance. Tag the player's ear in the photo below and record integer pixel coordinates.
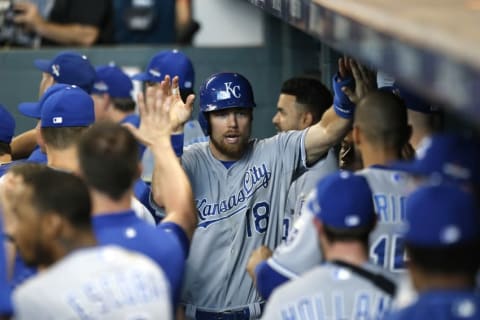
(307, 119)
(52, 225)
(39, 135)
(319, 226)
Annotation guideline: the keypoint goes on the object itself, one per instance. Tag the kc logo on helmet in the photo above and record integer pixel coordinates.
(234, 91)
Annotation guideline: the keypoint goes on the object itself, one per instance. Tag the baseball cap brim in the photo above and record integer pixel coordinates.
(143, 77)
(42, 64)
(30, 109)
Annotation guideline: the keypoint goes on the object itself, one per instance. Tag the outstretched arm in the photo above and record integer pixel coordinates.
(337, 120)
(68, 34)
(162, 113)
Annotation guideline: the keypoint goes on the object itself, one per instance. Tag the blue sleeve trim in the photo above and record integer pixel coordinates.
(267, 279)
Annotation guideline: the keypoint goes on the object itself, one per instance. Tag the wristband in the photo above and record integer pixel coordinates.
(341, 104)
(177, 143)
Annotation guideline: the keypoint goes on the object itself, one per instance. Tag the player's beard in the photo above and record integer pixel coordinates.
(232, 151)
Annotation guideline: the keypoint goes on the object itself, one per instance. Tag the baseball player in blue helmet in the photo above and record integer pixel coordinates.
(240, 187)
(442, 242)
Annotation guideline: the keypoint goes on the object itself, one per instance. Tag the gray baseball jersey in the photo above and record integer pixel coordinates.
(302, 185)
(390, 188)
(329, 291)
(239, 209)
(96, 283)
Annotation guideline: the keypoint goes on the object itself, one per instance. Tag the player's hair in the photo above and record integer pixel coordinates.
(124, 104)
(5, 148)
(382, 117)
(57, 191)
(310, 94)
(108, 155)
(360, 234)
(62, 138)
(454, 259)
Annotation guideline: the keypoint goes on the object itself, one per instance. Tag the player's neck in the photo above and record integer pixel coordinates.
(117, 115)
(65, 159)
(5, 158)
(104, 204)
(352, 252)
(75, 240)
(374, 155)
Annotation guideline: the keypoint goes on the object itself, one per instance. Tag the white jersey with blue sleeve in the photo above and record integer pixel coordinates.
(239, 209)
(99, 283)
(332, 291)
(301, 252)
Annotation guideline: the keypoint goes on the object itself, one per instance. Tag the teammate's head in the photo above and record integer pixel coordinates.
(443, 235)
(7, 130)
(173, 63)
(64, 115)
(301, 103)
(226, 101)
(423, 117)
(53, 209)
(108, 156)
(381, 122)
(343, 207)
(67, 67)
(112, 90)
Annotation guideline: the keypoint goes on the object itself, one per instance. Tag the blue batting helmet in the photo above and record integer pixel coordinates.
(226, 90)
(222, 91)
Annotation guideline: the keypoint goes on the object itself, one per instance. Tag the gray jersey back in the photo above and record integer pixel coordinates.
(390, 188)
(328, 292)
(302, 186)
(98, 283)
(239, 209)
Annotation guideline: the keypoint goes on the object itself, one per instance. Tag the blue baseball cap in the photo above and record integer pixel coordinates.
(343, 200)
(451, 156)
(69, 67)
(413, 101)
(68, 107)
(34, 109)
(173, 63)
(441, 215)
(112, 80)
(7, 125)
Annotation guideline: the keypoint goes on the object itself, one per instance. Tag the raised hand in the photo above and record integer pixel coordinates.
(365, 80)
(180, 111)
(162, 112)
